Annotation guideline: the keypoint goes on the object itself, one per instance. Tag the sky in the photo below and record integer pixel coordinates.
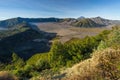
(109, 9)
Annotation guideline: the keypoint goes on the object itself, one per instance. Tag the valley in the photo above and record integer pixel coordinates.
(53, 48)
(60, 40)
(36, 35)
(65, 32)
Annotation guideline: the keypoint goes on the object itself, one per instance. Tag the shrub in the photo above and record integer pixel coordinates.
(17, 62)
(111, 40)
(57, 55)
(22, 74)
(42, 65)
(102, 45)
(104, 65)
(114, 38)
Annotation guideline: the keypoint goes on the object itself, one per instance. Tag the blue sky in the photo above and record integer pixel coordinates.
(59, 8)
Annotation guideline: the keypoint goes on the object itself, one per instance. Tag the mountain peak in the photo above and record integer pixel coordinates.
(99, 17)
(86, 22)
(81, 17)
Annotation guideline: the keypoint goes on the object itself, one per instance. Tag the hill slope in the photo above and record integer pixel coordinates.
(101, 21)
(80, 22)
(19, 20)
(24, 41)
(90, 22)
(102, 62)
(86, 23)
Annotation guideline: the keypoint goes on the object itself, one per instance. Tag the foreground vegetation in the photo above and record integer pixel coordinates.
(98, 58)
(104, 62)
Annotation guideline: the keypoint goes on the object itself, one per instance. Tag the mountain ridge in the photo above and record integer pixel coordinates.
(95, 20)
(14, 21)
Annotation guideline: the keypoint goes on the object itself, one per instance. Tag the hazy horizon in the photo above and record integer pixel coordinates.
(59, 8)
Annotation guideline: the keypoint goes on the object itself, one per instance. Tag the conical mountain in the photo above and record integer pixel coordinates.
(100, 20)
(86, 23)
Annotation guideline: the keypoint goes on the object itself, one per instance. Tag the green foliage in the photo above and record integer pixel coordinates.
(17, 61)
(27, 71)
(36, 57)
(114, 38)
(22, 73)
(102, 45)
(28, 67)
(110, 40)
(67, 54)
(42, 64)
(56, 55)
(103, 37)
(61, 55)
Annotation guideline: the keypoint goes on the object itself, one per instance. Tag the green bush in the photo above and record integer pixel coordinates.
(57, 55)
(42, 64)
(114, 38)
(17, 61)
(111, 40)
(102, 45)
(22, 74)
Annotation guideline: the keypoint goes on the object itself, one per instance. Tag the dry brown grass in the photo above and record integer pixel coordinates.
(102, 66)
(5, 75)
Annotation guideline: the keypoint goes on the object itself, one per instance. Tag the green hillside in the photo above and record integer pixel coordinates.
(25, 54)
(61, 55)
(24, 41)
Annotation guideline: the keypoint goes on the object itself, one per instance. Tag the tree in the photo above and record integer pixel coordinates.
(17, 62)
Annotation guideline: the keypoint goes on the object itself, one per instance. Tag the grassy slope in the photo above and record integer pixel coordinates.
(95, 67)
(18, 39)
(103, 65)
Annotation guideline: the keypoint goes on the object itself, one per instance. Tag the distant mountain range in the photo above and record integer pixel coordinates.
(102, 21)
(85, 22)
(90, 22)
(15, 21)
(79, 22)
